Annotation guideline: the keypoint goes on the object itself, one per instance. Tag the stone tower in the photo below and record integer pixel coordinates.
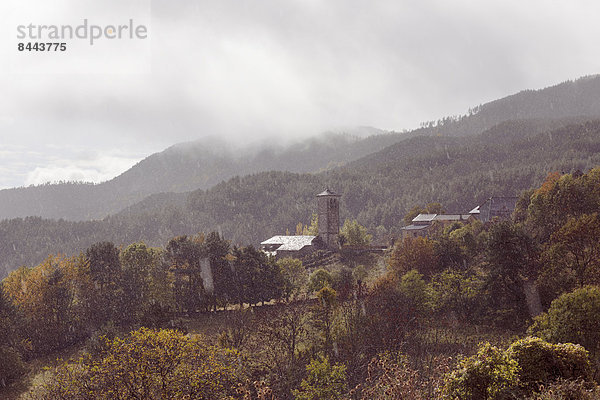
(329, 218)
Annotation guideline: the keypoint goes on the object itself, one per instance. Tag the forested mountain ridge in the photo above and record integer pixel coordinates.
(189, 166)
(377, 190)
(205, 163)
(580, 97)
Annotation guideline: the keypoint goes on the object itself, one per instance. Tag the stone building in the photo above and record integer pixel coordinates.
(328, 205)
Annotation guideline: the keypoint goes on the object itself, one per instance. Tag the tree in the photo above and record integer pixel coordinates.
(457, 292)
(323, 381)
(257, 277)
(355, 234)
(413, 253)
(45, 297)
(572, 318)
(147, 284)
(513, 264)
(388, 315)
(312, 229)
(9, 319)
(105, 265)
(136, 261)
(415, 291)
(295, 276)
(105, 272)
(576, 246)
(218, 254)
(319, 279)
(285, 332)
(561, 197)
(147, 364)
(322, 315)
(185, 255)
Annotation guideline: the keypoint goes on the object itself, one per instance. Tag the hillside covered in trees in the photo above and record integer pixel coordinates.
(377, 190)
(503, 310)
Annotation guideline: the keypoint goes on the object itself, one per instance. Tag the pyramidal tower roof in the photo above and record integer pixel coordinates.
(328, 192)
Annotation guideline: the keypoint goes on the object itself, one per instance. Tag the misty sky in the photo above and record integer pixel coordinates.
(248, 70)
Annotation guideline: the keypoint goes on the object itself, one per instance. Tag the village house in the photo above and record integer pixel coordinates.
(495, 207)
(422, 223)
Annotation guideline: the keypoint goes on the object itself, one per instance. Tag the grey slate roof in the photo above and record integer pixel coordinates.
(290, 243)
(424, 218)
(451, 217)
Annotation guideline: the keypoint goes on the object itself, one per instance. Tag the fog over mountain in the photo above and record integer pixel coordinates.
(186, 167)
(206, 162)
(269, 69)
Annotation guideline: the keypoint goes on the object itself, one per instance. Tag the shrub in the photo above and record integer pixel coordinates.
(540, 361)
(491, 374)
(343, 282)
(147, 364)
(323, 381)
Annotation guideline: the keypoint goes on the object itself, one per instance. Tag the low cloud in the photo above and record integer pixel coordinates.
(23, 167)
(247, 71)
(99, 169)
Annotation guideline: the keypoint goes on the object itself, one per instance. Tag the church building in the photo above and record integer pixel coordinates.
(328, 238)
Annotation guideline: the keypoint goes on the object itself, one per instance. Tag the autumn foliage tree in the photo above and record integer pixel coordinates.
(576, 246)
(46, 297)
(414, 253)
(561, 197)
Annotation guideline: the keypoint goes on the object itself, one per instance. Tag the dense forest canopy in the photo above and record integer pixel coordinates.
(378, 190)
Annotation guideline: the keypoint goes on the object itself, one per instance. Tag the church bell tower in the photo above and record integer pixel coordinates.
(329, 218)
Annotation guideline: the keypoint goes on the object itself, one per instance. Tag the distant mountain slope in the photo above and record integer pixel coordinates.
(205, 163)
(185, 167)
(459, 172)
(571, 98)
